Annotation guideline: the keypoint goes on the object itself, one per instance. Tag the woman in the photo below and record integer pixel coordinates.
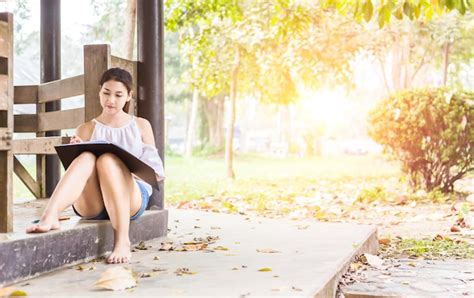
(103, 187)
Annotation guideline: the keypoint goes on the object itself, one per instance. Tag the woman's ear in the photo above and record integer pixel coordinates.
(130, 95)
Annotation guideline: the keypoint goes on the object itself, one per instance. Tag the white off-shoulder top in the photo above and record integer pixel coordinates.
(129, 138)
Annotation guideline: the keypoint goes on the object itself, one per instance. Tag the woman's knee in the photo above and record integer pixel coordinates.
(87, 157)
(107, 161)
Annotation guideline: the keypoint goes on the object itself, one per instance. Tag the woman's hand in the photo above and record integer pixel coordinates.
(75, 140)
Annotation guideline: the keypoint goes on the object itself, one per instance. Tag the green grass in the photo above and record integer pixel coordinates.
(429, 249)
(258, 176)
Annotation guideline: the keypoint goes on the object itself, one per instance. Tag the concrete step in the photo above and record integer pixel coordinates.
(311, 256)
(23, 256)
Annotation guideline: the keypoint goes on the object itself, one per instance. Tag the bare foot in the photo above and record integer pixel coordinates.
(45, 225)
(120, 254)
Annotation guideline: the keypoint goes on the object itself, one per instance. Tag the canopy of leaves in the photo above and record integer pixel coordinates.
(279, 43)
(383, 11)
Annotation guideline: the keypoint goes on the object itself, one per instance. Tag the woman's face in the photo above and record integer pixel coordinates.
(113, 96)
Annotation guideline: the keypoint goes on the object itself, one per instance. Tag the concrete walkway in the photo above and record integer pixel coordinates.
(416, 278)
(309, 260)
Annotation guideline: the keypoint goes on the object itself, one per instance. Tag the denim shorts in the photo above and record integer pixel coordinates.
(104, 215)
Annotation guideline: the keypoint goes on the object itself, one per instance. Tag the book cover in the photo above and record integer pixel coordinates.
(68, 152)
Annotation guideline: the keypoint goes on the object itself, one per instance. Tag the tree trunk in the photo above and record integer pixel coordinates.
(214, 110)
(396, 63)
(446, 48)
(230, 124)
(130, 22)
(192, 124)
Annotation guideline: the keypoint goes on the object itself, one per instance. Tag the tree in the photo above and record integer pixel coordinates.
(383, 11)
(229, 39)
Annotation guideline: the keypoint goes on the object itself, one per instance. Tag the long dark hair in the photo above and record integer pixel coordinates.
(119, 75)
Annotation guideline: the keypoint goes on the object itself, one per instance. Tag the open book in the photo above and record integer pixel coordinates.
(68, 152)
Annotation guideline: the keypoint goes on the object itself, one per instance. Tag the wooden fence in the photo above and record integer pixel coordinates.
(97, 59)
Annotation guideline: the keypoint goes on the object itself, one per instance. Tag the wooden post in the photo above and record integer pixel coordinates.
(151, 76)
(50, 54)
(97, 60)
(6, 122)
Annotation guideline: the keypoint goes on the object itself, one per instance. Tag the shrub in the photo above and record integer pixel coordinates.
(430, 131)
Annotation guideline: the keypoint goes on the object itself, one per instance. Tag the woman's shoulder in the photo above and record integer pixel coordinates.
(143, 123)
(85, 130)
(146, 130)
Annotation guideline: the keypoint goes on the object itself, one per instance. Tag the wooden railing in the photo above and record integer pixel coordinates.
(6, 122)
(97, 59)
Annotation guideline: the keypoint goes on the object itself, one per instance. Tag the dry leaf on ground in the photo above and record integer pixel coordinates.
(142, 246)
(117, 278)
(455, 229)
(184, 271)
(373, 260)
(265, 269)
(267, 250)
(166, 246)
(11, 292)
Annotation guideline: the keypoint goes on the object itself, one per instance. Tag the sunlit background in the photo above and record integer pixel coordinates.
(325, 119)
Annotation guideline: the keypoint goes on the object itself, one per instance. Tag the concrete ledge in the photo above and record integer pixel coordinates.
(28, 257)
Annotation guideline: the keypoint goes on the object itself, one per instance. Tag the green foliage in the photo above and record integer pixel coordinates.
(369, 195)
(22, 14)
(109, 25)
(383, 11)
(279, 43)
(431, 132)
(207, 150)
(434, 248)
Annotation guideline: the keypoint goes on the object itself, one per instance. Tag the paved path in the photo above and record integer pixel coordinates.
(411, 278)
(309, 257)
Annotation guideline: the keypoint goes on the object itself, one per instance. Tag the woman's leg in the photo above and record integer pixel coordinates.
(66, 192)
(122, 199)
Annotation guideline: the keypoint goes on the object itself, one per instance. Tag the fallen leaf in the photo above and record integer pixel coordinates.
(296, 289)
(146, 274)
(117, 278)
(11, 292)
(61, 218)
(373, 260)
(384, 241)
(84, 267)
(267, 250)
(265, 269)
(355, 266)
(455, 229)
(156, 258)
(412, 264)
(159, 269)
(167, 246)
(184, 271)
(235, 268)
(438, 238)
(142, 246)
(194, 247)
(220, 248)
